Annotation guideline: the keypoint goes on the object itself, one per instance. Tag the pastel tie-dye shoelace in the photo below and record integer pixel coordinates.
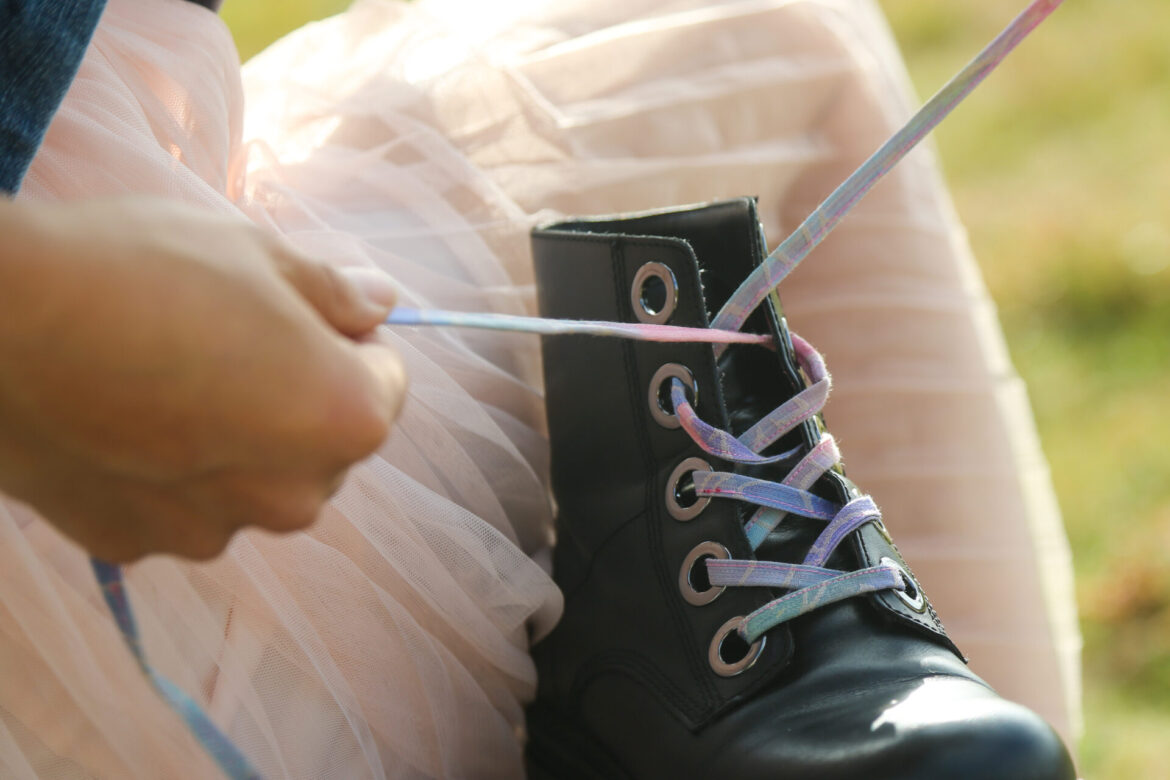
(810, 583)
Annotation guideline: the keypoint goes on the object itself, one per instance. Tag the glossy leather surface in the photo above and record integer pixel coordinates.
(865, 688)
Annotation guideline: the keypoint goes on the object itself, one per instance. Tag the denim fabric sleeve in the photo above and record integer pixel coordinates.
(41, 46)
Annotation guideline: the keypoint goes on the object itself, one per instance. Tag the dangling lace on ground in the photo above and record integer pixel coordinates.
(811, 585)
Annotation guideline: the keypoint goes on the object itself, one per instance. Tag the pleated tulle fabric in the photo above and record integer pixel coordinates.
(390, 639)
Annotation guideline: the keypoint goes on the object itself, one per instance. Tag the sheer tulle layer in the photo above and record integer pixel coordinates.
(390, 639)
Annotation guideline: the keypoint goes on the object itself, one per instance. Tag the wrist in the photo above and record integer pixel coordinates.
(34, 297)
(25, 257)
(34, 279)
(23, 227)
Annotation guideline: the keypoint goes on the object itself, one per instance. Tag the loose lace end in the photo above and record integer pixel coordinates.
(551, 327)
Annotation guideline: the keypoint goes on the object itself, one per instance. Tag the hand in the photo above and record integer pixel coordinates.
(169, 376)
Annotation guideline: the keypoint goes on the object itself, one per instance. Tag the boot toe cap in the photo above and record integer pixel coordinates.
(958, 729)
(924, 729)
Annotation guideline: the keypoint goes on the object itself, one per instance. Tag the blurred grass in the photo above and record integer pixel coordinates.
(257, 23)
(1058, 167)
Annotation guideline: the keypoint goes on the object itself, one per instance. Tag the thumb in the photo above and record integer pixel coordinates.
(372, 402)
(353, 300)
(389, 375)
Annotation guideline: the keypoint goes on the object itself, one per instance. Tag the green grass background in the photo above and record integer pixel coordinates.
(1060, 169)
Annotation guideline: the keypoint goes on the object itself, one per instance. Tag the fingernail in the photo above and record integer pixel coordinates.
(377, 286)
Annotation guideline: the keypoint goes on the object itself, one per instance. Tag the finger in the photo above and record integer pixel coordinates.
(371, 414)
(167, 521)
(126, 520)
(352, 300)
(227, 501)
(334, 482)
(385, 366)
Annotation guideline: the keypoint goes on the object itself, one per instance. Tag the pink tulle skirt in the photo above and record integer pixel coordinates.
(390, 639)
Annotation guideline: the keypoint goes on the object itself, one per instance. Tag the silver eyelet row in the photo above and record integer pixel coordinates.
(646, 313)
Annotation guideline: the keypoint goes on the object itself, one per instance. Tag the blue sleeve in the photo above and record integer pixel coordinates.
(41, 46)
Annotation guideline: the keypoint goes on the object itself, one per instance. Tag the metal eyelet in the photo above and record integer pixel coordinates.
(677, 510)
(725, 668)
(659, 384)
(917, 602)
(700, 553)
(654, 281)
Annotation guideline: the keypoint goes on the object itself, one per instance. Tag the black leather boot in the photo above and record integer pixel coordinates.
(645, 676)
